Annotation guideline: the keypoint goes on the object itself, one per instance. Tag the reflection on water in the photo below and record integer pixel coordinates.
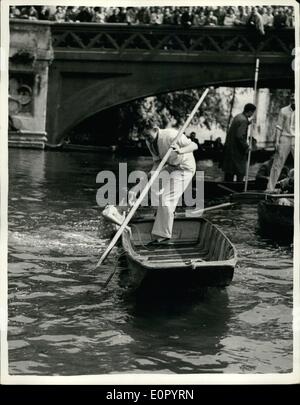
(62, 321)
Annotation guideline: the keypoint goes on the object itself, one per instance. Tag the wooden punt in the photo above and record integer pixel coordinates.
(276, 221)
(200, 255)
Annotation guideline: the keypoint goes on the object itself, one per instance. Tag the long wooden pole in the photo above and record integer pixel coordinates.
(149, 184)
(253, 124)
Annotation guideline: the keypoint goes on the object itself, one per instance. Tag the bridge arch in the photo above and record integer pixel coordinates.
(84, 81)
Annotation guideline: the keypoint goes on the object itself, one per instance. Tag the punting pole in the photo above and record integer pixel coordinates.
(151, 181)
(253, 124)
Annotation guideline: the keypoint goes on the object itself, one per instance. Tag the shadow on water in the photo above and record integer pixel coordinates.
(147, 303)
(187, 329)
(274, 239)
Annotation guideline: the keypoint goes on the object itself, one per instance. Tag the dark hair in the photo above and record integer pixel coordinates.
(249, 107)
(150, 124)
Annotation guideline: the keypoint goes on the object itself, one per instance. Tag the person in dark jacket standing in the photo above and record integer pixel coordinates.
(236, 146)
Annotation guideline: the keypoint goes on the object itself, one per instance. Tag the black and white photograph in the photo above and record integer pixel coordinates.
(149, 193)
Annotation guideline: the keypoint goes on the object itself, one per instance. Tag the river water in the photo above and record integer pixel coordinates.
(62, 322)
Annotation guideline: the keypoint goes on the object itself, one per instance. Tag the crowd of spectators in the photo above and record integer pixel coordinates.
(261, 18)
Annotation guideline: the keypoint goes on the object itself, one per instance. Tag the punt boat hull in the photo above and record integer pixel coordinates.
(276, 221)
(199, 255)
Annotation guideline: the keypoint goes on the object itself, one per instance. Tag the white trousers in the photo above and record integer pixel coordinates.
(166, 198)
(286, 145)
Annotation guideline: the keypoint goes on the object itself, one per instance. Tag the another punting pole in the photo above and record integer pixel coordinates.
(204, 210)
(253, 122)
(151, 181)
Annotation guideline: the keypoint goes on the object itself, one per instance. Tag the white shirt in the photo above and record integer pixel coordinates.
(286, 121)
(166, 137)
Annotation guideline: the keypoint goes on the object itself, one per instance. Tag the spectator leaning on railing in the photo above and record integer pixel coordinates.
(211, 19)
(280, 19)
(268, 18)
(255, 21)
(187, 18)
(14, 12)
(122, 15)
(114, 17)
(242, 17)
(290, 18)
(131, 15)
(168, 17)
(220, 13)
(230, 18)
(59, 15)
(200, 19)
(44, 13)
(85, 14)
(143, 15)
(71, 14)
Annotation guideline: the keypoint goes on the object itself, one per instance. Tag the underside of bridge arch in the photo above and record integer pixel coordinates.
(76, 93)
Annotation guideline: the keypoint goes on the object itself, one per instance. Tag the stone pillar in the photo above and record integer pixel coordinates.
(30, 54)
(262, 121)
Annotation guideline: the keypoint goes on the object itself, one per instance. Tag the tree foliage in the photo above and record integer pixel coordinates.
(172, 109)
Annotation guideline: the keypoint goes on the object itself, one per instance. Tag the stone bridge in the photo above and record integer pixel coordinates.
(96, 67)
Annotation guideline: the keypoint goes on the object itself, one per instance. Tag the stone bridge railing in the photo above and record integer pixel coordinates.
(136, 41)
